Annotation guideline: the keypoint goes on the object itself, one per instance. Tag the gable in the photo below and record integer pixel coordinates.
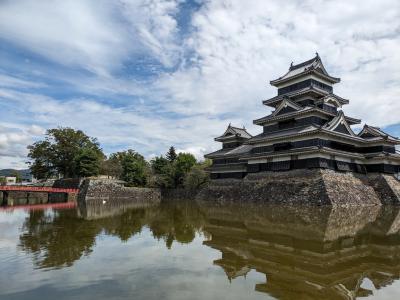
(367, 135)
(339, 124)
(286, 106)
(285, 110)
(342, 129)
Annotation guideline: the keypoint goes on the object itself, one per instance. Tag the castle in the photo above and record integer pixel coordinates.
(306, 130)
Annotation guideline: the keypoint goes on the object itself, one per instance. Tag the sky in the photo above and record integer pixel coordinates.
(148, 74)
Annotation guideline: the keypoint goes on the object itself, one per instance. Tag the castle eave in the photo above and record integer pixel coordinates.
(314, 90)
(304, 111)
(291, 75)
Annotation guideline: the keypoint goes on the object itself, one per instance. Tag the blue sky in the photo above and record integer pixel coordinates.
(147, 74)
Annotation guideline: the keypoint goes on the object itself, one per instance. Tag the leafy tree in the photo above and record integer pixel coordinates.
(182, 165)
(162, 173)
(58, 152)
(42, 158)
(159, 164)
(111, 167)
(197, 177)
(171, 154)
(87, 163)
(2, 180)
(169, 173)
(134, 167)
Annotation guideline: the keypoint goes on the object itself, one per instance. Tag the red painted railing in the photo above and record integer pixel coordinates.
(45, 189)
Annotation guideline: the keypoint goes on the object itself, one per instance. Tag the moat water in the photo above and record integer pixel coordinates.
(180, 250)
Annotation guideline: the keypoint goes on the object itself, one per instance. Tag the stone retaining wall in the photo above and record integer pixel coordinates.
(95, 192)
(310, 187)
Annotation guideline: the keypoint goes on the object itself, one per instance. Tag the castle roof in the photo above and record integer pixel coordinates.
(308, 110)
(230, 152)
(232, 133)
(339, 123)
(313, 65)
(370, 132)
(313, 89)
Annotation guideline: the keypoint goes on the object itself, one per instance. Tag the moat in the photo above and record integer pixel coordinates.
(187, 250)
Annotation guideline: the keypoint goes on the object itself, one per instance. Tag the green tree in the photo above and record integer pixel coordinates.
(57, 153)
(197, 177)
(162, 173)
(171, 154)
(182, 165)
(159, 164)
(87, 163)
(42, 159)
(167, 173)
(135, 169)
(111, 167)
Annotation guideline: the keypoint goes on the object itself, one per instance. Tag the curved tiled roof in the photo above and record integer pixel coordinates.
(312, 65)
(232, 132)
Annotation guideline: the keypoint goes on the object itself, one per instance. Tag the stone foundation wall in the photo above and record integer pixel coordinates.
(107, 192)
(310, 187)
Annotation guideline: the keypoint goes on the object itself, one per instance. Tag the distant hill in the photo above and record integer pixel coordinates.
(25, 174)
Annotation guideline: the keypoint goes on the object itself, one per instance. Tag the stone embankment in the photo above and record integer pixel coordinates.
(309, 187)
(107, 193)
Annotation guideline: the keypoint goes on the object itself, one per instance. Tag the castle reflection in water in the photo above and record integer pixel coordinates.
(304, 252)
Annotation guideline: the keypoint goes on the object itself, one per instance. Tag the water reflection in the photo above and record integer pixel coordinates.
(305, 253)
(308, 253)
(59, 238)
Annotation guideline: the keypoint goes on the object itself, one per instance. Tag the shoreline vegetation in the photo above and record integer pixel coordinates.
(68, 153)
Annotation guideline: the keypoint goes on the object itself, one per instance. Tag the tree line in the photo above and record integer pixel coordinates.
(70, 153)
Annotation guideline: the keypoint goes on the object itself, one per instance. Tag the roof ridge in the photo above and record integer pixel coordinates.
(304, 63)
(238, 127)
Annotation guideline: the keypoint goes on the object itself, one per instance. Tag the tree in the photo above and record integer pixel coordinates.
(134, 167)
(42, 158)
(111, 167)
(171, 154)
(169, 173)
(159, 164)
(182, 165)
(162, 173)
(87, 163)
(58, 152)
(197, 177)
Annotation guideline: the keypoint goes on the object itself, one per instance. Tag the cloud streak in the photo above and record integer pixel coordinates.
(128, 72)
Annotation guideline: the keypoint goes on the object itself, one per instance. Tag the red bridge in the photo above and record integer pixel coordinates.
(27, 188)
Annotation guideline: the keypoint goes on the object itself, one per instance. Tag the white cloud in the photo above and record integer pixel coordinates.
(240, 46)
(92, 34)
(14, 82)
(116, 128)
(13, 142)
(230, 52)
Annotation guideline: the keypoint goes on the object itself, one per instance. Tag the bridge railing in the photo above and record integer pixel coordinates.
(47, 189)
